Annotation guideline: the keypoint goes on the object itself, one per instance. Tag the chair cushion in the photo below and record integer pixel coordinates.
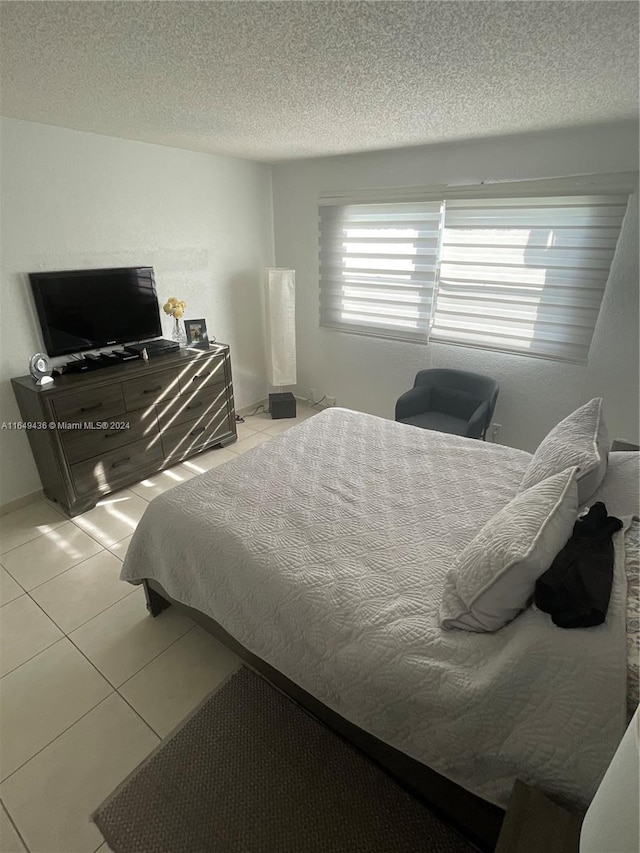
(580, 439)
(438, 422)
(454, 401)
(493, 578)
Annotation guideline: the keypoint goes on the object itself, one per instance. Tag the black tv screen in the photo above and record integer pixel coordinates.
(87, 309)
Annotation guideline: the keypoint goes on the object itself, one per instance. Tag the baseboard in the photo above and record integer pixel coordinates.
(11, 506)
(311, 403)
(245, 410)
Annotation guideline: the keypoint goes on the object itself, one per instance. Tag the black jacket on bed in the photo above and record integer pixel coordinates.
(576, 589)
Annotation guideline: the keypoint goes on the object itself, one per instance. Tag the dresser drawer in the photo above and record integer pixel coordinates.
(82, 444)
(203, 372)
(147, 390)
(117, 467)
(195, 403)
(187, 438)
(101, 403)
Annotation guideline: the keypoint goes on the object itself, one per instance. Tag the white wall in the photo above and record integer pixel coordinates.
(72, 200)
(369, 374)
(612, 371)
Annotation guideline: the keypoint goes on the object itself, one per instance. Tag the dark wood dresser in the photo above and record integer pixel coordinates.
(92, 433)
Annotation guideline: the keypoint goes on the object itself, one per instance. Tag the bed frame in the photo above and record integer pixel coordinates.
(478, 820)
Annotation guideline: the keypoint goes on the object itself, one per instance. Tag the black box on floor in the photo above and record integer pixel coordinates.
(282, 405)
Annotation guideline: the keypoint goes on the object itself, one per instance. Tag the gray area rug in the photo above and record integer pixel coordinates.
(251, 772)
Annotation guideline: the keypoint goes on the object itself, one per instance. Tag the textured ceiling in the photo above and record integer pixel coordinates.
(281, 80)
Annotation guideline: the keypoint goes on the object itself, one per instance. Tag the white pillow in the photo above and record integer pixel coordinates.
(581, 439)
(493, 579)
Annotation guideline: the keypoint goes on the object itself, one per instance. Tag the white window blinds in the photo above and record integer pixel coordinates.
(522, 275)
(528, 274)
(378, 265)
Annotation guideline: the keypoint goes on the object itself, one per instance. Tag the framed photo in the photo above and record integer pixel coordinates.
(196, 333)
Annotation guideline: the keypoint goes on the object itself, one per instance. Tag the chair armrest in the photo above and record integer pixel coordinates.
(478, 421)
(413, 402)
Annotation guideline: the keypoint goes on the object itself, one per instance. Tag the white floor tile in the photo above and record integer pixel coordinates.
(9, 838)
(42, 698)
(120, 548)
(80, 593)
(169, 687)
(307, 412)
(249, 443)
(209, 459)
(38, 561)
(162, 482)
(9, 589)
(244, 431)
(258, 422)
(114, 518)
(24, 632)
(282, 425)
(263, 420)
(27, 523)
(52, 797)
(124, 638)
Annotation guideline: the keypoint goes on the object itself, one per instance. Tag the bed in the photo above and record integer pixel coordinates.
(321, 555)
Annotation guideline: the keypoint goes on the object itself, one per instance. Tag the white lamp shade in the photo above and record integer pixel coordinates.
(611, 824)
(280, 303)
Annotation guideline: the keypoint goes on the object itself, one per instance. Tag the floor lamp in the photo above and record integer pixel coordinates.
(280, 304)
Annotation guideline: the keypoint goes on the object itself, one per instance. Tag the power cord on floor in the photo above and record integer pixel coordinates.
(257, 409)
(316, 402)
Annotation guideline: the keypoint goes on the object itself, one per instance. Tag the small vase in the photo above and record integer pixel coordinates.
(178, 333)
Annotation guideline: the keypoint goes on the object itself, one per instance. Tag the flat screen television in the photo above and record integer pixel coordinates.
(87, 309)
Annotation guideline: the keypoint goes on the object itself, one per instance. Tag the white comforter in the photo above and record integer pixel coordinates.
(324, 551)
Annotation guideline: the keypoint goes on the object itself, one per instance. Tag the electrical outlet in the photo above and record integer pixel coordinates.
(495, 431)
(330, 401)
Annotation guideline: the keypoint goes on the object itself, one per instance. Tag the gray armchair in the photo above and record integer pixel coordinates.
(452, 401)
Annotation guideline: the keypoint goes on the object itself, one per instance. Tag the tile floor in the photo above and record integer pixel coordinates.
(90, 683)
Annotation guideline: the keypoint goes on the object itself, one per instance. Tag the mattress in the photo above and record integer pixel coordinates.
(324, 552)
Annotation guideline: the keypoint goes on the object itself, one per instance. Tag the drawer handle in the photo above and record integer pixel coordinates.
(194, 405)
(112, 434)
(90, 408)
(120, 462)
(152, 390)
(197, 431)
(202, 375)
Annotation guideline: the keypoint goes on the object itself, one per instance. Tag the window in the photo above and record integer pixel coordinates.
(378, 267)
(523, 275)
